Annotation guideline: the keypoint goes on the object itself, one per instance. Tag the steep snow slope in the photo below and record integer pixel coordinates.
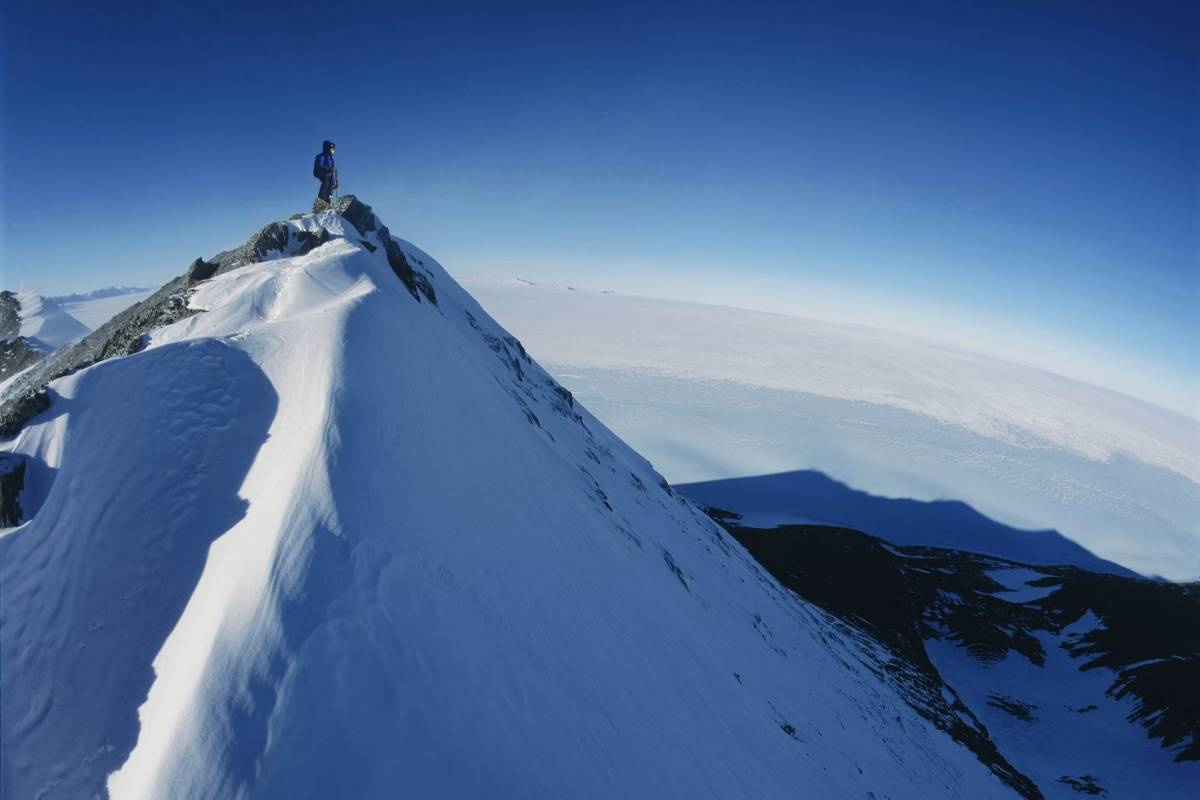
(45, 322)
(329, 538)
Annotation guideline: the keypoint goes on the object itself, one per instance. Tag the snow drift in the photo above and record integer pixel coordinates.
(335, 534)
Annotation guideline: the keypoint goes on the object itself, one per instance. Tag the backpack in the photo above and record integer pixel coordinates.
(317, 167)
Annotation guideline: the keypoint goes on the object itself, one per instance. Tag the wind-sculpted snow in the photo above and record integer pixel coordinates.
(95, 583)
(336, 534)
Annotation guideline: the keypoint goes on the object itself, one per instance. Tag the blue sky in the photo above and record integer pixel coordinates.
(1022, 178)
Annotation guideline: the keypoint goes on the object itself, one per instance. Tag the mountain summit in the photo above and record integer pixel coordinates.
(308, 523)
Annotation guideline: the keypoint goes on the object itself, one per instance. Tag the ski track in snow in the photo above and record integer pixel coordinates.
(324, 540)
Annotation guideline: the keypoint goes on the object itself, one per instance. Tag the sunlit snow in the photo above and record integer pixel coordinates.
(328, 539)
(710, 392)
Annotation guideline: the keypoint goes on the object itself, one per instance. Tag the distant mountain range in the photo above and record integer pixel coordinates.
(100, 294)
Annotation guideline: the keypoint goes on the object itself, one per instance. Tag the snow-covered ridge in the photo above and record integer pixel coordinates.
(335, 533)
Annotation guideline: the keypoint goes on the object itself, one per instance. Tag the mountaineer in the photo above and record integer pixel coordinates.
(325, 170)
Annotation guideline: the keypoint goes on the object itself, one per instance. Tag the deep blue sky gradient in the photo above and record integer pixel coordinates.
(1020, 177)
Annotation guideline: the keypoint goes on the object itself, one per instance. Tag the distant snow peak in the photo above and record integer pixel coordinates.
(46, 322)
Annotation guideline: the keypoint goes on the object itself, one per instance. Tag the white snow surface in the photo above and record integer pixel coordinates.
(989, 396)
(324, 540)
(102, 305)
(715, 392)
(46, 323)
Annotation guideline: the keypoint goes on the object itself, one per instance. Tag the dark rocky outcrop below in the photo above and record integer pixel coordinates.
(417, 283)
(12, 481)
(10, 316)
(17, 355)
(125, 333)
(905, 596)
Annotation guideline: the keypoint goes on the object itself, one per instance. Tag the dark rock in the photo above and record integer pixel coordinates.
(1085, 784)
(902, 596)
(670, 561)
(10, 316)
(417, 283)
(370, 247)
(355, 212)
(855, 577)
(20, 409)
(307, 241)
(1009, 705)
(126, 333)
(12, 481)
(16, 355)
(200, 270)
(564, 393)
(269, 240)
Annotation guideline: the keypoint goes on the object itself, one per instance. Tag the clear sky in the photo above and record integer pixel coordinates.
(1022, 177)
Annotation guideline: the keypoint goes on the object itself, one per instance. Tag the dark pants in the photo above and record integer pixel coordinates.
(326, 189)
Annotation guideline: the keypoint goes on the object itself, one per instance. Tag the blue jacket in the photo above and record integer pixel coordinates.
(324, 166)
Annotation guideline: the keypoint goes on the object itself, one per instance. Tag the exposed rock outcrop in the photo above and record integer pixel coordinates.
(200, 270)
(12, 481)
(125, 333)
(10, 316)
(16, 352)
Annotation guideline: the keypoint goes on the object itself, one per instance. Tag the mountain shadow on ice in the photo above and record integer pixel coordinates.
(814, 497)
(108, 596)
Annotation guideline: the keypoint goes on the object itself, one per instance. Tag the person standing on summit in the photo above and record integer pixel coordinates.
(325, 170)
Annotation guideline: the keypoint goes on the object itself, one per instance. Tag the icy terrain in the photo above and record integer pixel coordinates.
(337, 535)
(46, 323)
(95, 308)
(711, 393)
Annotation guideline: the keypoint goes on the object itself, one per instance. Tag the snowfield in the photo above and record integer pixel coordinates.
(711, 393)
(327, 538)
(96, 308)
(46, 323)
